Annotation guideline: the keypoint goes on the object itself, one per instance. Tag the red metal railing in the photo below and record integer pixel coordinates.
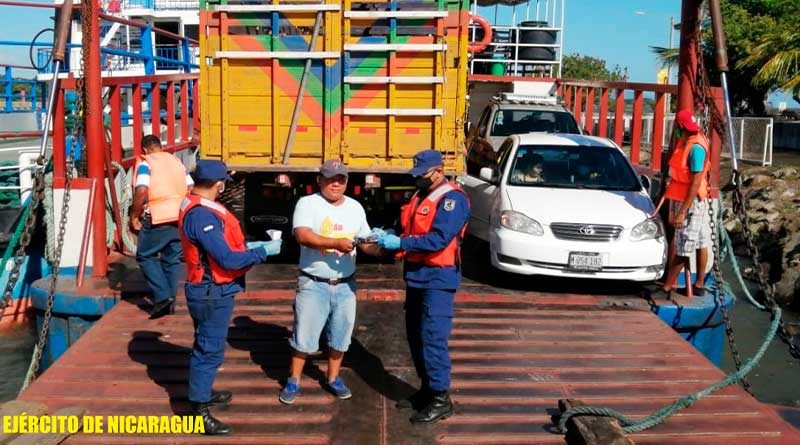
(125, 152)
(133, 86)
(580, 97)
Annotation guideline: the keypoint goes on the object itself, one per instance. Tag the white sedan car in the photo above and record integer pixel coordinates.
(564, 205)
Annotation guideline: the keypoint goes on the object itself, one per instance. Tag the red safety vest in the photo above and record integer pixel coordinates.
(167, 186)
(232, 232)
(417, 217)
(680, 175)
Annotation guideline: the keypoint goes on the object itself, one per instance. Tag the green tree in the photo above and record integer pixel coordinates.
(750, 25)
(777, 59)
(577, 66)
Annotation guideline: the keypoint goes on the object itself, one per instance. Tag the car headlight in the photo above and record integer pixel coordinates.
(647, 229)
(520, 223)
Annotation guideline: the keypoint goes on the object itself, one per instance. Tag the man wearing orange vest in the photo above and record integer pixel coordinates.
(687, 192)
(433, 225)
(160, 183)
(217, 259)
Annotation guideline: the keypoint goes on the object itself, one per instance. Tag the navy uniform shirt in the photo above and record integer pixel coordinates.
(452, 213)
(204, 229)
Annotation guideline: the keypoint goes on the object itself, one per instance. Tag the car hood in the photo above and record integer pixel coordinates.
(549, 205)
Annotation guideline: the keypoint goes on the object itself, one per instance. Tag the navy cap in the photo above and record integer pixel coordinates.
(424, 161)
(208, 170)
(333, 167)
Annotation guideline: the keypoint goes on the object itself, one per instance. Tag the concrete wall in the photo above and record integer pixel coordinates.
(786, 135)
(18, 122)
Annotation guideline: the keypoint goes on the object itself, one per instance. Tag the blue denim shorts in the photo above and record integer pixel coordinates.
(319, 306)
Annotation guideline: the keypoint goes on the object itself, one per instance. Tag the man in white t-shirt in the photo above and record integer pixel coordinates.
(326, 225)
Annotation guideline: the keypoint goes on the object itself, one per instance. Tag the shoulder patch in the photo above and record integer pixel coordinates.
(449, 204)
(208, 228)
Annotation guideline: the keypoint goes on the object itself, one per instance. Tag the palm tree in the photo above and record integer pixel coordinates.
(777, 59)
(667, 57)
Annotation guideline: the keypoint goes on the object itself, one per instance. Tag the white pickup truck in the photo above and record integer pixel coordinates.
(512, 113)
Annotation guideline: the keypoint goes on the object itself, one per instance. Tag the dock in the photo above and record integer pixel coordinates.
(515, 354)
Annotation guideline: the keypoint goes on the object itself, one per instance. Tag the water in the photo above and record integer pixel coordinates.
(774, 380)
(16, 347)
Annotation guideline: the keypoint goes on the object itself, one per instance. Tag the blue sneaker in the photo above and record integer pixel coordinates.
(339, 389)
(290, 391)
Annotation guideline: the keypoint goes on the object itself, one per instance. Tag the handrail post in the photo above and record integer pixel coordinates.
(8, 90)
(619, 117)
(658, 132)
(590, 110)
(147, 50)
(636, 126)
(187, 56)
(602, 123)
(95, 137)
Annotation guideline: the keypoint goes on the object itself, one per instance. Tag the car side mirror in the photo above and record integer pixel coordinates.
(646, 182)
(487, 174)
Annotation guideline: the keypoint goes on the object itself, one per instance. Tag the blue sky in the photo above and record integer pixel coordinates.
(619, 31)
(18, 23)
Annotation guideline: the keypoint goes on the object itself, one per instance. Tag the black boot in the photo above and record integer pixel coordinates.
(418, 400)
(439, 408)
(220, 397)
(212, 426)
(163, 308)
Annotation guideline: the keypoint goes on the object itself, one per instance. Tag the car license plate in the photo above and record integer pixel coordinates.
(585, 261)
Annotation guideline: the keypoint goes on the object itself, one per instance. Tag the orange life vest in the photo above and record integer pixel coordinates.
(167, 186)
(416, 219)
(680, 175)
(232, 232)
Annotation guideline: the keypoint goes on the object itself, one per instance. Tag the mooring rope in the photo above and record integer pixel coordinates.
(630, 425)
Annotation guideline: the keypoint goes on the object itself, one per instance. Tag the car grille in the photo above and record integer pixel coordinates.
(585, 232)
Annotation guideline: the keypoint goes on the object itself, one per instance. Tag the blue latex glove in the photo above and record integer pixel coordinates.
(271, 248)
(377, 232)
(389, 242)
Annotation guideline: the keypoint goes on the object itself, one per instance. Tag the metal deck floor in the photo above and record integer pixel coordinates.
(514, 355)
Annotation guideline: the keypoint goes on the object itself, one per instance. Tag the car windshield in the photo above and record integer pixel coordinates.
(508, 122)
(600, 168)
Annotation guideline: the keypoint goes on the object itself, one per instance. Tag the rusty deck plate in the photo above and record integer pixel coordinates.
(514, 355)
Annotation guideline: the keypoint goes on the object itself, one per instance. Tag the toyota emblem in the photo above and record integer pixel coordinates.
(586, 230)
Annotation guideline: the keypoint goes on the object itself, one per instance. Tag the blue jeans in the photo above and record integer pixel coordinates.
(320, 305)
(159, 253)
(211, 312)
(429, 320)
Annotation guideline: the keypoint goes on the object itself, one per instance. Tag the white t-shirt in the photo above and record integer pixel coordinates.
(347, 220)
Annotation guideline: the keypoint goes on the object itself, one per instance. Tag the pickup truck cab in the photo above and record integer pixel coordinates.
(510, 114)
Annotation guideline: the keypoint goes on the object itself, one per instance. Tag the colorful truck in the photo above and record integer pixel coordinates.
(285, 86)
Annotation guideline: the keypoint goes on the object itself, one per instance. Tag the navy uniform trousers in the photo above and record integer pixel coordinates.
(211, 308)
(429, 320)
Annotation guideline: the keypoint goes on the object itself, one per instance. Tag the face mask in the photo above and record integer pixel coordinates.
(678, 133)
(424, 183)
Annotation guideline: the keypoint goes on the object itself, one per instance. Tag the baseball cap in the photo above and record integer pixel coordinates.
(333, 167)
(685, 120)
(424, 161)
(208, 170)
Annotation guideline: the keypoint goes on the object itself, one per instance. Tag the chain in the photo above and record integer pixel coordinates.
(37, 194)
(768, 290)
(77, 130)
(712, 121)
(720, 289)
(740, 210)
